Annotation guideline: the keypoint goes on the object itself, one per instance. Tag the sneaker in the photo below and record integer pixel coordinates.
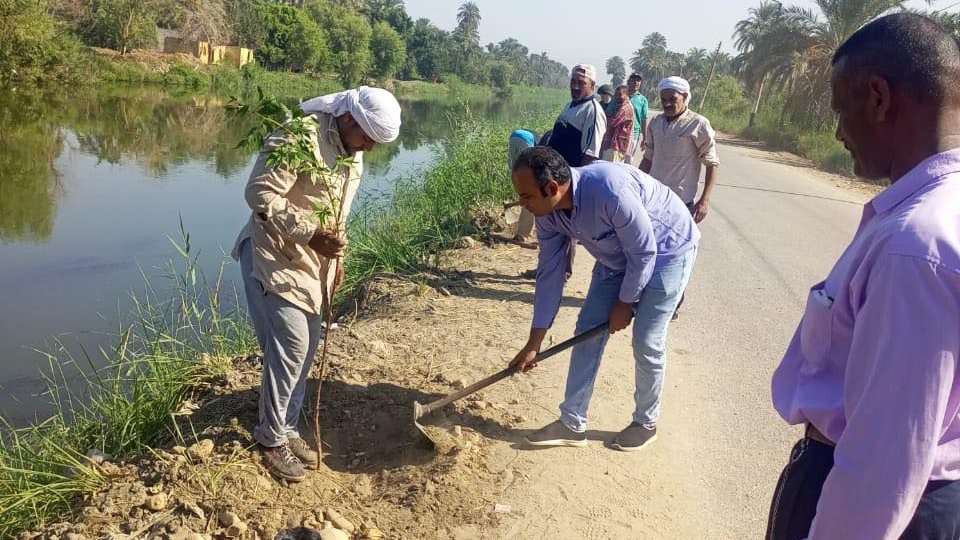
(556, 434)
(634, 438)
(300, 448)
(279, 460)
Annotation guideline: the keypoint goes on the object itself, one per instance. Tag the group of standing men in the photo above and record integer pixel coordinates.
(872, 371)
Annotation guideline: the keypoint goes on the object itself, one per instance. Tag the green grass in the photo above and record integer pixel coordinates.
(430, 214)
(126, 398)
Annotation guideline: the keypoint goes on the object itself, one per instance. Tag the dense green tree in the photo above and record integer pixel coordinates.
(388, 50)
(33, 46)
(349, 35)
(427, 48)
(123, 24)
(244, 21)
(391, 12)
(291, 39)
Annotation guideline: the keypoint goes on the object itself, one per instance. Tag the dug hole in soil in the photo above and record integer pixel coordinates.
(413, 339)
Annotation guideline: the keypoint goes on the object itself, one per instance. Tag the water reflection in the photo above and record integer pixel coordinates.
(93, 183)
(29, 187)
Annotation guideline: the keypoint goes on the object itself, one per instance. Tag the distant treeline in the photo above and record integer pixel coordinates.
(353, 39)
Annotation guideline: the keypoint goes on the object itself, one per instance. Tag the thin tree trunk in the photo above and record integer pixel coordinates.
(713, 70)
(327, 295)
(756, 104)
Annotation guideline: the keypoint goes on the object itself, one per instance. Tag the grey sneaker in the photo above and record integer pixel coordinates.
(302, 450)
(634, 438)
(556, 434)
(279, 460)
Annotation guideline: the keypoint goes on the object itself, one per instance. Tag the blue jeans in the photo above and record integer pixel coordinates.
(651, 317)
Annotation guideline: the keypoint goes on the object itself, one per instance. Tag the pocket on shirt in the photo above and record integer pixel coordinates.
(608, 242)
(816, 329)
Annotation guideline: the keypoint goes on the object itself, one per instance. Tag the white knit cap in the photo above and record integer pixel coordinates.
(678, 84)
(375, 110)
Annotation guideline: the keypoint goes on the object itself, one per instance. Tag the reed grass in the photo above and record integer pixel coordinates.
(119, 400)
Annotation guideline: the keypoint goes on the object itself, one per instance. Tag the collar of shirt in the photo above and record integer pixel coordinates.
(927, 171)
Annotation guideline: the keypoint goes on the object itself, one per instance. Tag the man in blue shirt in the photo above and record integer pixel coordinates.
(645, 244)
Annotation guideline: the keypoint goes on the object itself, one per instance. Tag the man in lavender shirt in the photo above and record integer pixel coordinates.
(872, 371)
(645, 244)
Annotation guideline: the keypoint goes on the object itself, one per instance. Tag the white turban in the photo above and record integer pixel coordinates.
(678, 84)
(375, 110)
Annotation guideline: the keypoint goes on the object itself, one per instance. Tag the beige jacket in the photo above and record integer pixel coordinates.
(283, 222)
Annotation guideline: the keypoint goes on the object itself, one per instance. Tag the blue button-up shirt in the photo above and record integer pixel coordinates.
(628, 221)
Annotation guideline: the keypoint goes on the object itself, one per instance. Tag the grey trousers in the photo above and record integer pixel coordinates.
(288, 337)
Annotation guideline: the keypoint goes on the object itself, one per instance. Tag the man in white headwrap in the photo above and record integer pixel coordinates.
(678, 144)
(285, 255)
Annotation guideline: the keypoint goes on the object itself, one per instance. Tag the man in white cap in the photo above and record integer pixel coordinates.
(678, 144)
(578, 133)
(285, 254)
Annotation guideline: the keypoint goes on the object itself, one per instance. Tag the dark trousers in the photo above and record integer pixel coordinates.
(795, 500)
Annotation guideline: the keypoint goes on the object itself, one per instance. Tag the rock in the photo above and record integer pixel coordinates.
(457, 431)
(236, 530)
(156, 503)
(459, 384)
(479, 405)
(339, 521)
(200, 450)
(514, 401)
(192, 507)
(233, 526)
(179, 450)
(97, 457)
(330, 533)
(429, 488)
(373, 533)
(466, 242)
(380, 348)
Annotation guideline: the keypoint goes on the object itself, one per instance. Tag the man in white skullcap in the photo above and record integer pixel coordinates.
(285, 255)
(679, 143)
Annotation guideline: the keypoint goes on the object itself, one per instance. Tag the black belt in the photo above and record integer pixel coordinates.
(814, 434)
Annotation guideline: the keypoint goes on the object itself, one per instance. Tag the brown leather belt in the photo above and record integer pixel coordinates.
(814, 434)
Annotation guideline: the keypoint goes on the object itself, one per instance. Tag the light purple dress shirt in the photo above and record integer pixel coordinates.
(626, 219)
(873, 365)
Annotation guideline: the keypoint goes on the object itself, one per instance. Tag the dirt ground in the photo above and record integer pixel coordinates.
(412, 340)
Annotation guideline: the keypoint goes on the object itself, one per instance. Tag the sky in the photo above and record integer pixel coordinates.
(574, 32)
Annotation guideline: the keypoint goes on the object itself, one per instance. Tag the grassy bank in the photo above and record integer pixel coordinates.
(119, 401)
(176, 75)
(430, 214)
(729, 111)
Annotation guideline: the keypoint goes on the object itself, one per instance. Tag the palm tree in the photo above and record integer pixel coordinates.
(653, 59)
(791, 47)
(468, 22)
(617, 70)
